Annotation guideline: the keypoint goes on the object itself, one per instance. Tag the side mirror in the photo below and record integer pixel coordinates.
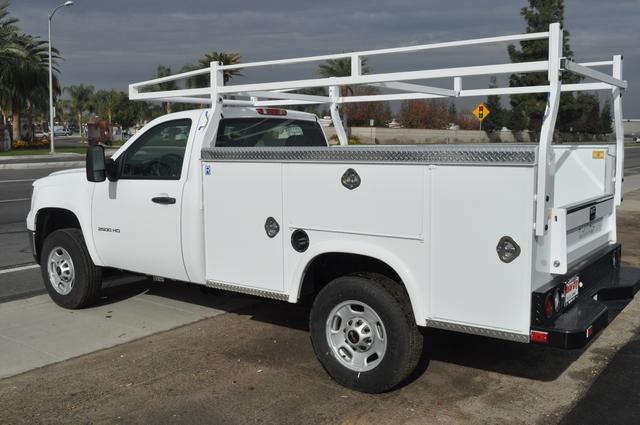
(96, 164)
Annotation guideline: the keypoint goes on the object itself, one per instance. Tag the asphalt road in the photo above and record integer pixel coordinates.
(632, 161)
(15, 195)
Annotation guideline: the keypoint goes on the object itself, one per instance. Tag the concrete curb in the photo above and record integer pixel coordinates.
(18, 159)
(36, 165)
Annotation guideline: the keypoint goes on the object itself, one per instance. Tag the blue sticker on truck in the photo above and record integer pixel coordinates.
(207, 170)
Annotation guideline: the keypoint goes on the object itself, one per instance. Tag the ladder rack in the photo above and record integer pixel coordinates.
(403, 86)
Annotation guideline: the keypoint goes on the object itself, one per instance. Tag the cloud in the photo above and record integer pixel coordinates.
(110, 44)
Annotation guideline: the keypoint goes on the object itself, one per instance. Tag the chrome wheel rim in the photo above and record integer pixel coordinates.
(356, 335)
(61, 270)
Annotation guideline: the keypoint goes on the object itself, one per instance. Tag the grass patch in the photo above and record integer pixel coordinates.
(27, 152)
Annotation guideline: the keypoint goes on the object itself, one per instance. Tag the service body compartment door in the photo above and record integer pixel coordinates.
(472, 209)
(239, 198)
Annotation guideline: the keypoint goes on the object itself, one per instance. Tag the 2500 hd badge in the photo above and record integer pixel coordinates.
(108, 229)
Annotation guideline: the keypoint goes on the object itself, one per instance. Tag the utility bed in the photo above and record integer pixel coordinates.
(441, 205)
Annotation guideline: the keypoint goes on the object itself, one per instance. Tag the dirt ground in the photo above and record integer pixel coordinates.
(256, 365)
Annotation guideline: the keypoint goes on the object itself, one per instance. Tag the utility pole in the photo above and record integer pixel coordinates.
(51, 107)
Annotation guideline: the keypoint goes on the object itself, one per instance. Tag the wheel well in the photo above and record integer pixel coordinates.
(326, 267)
(49, 220)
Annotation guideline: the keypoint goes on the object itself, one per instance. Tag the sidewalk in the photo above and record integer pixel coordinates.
(35, 332)
(60, 156)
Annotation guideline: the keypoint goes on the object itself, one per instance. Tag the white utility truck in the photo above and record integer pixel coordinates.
(512, 241)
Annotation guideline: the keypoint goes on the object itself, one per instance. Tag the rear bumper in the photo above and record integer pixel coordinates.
(606, 288)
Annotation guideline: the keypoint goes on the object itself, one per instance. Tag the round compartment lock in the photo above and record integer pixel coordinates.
(300, 240)
(272, 227)
(507, 249)
(351, 179)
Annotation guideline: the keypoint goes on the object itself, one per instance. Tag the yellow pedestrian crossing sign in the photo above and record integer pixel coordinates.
(481, 112)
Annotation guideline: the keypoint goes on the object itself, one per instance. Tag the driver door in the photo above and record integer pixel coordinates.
(136, 219)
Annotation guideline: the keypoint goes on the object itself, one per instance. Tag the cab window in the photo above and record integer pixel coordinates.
(268, 132)
(158, 154)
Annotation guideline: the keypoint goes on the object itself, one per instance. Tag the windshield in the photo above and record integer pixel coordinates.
(268, 132)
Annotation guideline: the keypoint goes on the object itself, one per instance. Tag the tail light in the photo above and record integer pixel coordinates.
(548, 306)
(271, 111)
(557, 300)
(549, 303)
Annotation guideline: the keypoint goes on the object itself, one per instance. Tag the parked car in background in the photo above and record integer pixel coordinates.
(61, 131)
(39, 135)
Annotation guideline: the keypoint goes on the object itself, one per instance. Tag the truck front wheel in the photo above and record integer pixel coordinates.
(70, 276)
(364, 334)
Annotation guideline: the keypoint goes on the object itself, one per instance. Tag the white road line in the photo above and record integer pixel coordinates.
(17, 181)
(19, 269)
(4, 201)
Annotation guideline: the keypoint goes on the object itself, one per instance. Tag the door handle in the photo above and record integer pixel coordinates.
(165, 200)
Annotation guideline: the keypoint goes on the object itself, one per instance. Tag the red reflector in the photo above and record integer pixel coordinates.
(589, 331)
(540, 337)
(271, 111)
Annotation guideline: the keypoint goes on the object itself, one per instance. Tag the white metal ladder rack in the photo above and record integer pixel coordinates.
(282, 93)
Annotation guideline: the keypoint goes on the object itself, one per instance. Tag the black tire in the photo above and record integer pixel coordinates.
(390, 302)
(87, 279)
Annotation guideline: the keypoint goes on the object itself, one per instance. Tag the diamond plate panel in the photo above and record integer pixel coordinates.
(249, 291)
(420, 154)
(510, 336)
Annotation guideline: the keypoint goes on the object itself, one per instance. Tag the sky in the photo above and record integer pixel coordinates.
(110, 44)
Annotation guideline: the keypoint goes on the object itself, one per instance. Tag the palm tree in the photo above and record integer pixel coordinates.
(23, 69)
(165, 71)
(105, 102)
(80, 100)
(62, 106)
(225, 58)
(24, 80)
(9, 49)
(341, 68)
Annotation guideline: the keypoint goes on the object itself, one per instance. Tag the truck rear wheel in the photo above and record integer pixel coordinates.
(364, 334)
(70, 276)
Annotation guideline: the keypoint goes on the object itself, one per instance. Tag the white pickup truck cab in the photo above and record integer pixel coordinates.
(512, 241)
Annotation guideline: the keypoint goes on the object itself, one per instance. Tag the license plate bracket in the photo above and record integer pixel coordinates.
(571, 288)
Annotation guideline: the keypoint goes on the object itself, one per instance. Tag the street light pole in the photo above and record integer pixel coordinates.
(51, 107)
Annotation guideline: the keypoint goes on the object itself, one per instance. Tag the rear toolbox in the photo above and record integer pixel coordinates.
(605, 288)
